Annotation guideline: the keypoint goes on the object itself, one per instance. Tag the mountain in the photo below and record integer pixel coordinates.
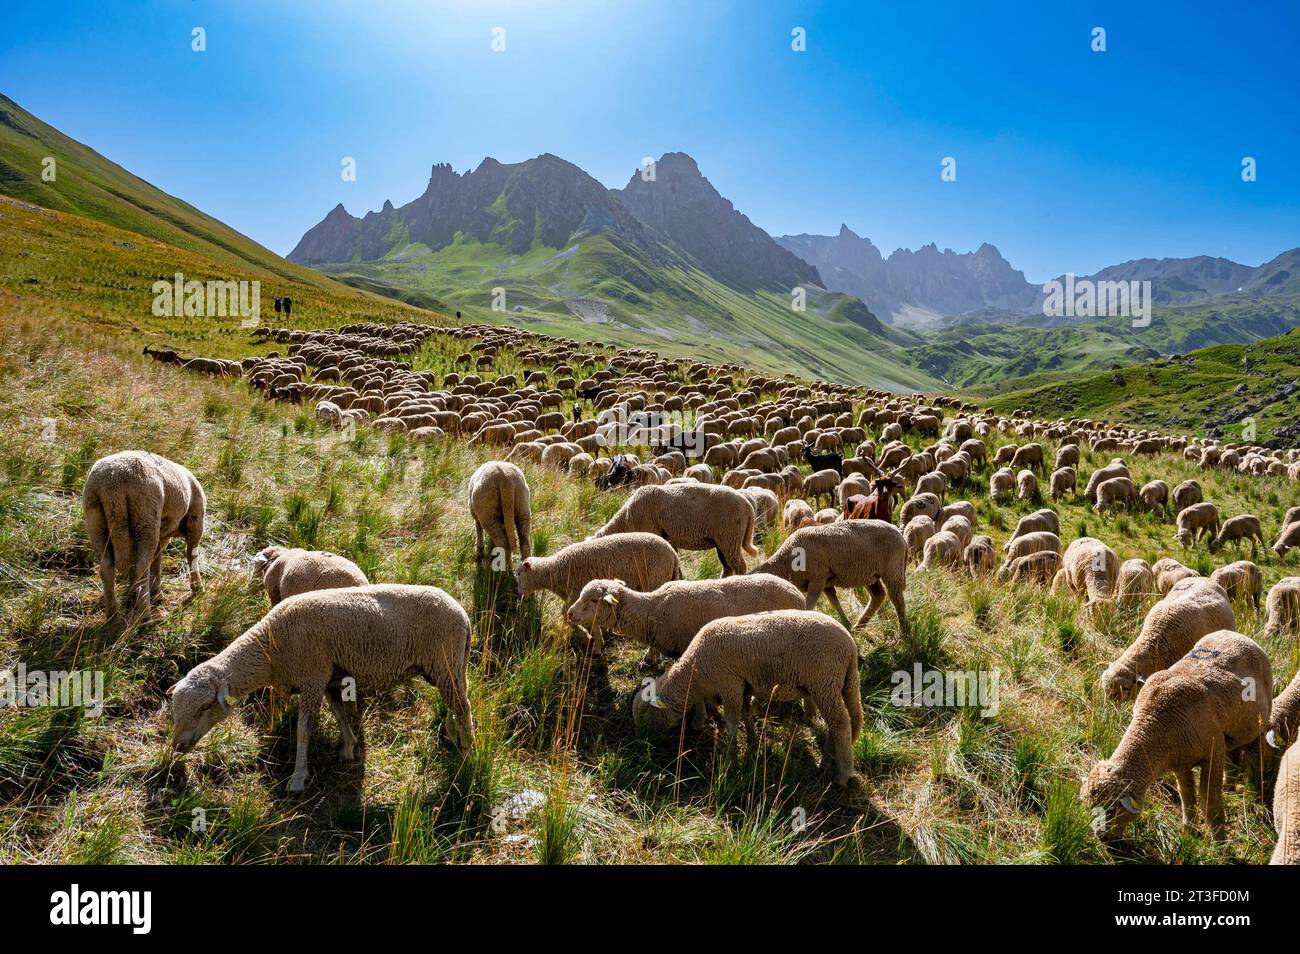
(914, 287)
(666, 263)
(1180, 281)
(87, 184)
(675, 199)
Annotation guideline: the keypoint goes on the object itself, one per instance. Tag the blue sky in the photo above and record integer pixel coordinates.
(1067, 159)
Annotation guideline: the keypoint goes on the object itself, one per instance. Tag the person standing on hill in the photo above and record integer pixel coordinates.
(277, 305)
(288, 305)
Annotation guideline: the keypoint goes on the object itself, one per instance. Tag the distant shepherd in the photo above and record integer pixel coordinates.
(288, 305)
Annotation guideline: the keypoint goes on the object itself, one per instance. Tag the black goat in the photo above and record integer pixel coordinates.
(818, 462)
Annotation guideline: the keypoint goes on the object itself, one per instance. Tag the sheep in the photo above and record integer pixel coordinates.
(766, 507)
(960, 508)
(979, 556)
(1188, 715)
(1168, 572)
(848, 553)
(1193, 608)
(823, 483)
(1136, 582)
(1288, 538)
(1064, 480)
(1031, 543)
(644, 560)
(1028, 456)
(1240, 580)
(1113, 491)
(380, 635)
(1284, 722)
(667, 619)
(1286, 809)
(1155, 494)
(1235, 529)
(1001, 483)
(1198, 520)
(932, 483)
(133, 503)
(692, 517)
(500, 504)
(1026, 485)
(960, 526)
(925, 503)
(797, 514)
(1039, 567)
(918, 530)
(1186, 494)
(1035, 522)
(739, 662)
(288, 572)
(1088, 568)
(1283, 605)
(1067, 457)
(1116, 468)
(942, 549)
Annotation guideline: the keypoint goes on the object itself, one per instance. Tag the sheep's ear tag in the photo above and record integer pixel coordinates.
(229, 700)
(1126, 802)
(171, 690)
(1271, 738)
(611, 599)
(657, 702)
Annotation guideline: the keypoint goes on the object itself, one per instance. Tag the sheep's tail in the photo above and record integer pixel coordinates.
(852, 695)
(747, 538)
(118, 518)
(508, 518)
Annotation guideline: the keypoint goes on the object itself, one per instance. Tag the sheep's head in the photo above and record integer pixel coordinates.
(1216, 545)
(1184, 536)
(649, 711)
(1112, 799)
(1120, 682)
(1281, 732)
(197, 703)
(525, 577)
(263, 560)
(596, 605)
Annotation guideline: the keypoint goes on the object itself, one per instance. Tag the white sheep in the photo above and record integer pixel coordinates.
(134, 502)
(1286, 809)
(379, 635)
(1089, 568)
(691, 517)
(501, 506)
(1283, 606)
(288, 571)
(740, 663)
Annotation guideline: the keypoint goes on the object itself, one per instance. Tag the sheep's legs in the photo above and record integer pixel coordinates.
(834, 599)
(836, 715)
(145, 549)
(107, 572)
(877, 590)
(308, 711)
(454, 689)
(155, 577)
(896, 597)
(728, 568)
(1187, 796)
(1212, 785)
(478, 540)
(348, 740)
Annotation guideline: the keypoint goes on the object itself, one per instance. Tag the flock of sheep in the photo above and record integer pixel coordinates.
(1200, 691)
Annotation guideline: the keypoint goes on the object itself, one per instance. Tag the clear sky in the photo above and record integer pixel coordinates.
(1067, 159)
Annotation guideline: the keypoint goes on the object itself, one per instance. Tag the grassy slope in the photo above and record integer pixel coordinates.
(940, 785)
(1197, 391)
(993, 357)
(677, 311)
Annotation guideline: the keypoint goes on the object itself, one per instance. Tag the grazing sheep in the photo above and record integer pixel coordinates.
(927, 504)
(380, 635)
(1287, 539)
(1002, 483)
(766, 507)
(1031, 543)
(1284, 723)
(943, 549)
(500, 504)
(980, 557)
(667, 619)
(286, 572)
(1186, 494)
(1286, 809)
(1193, 608)
(1088, 568)
(1240, 580)
(1036, 522)
(960, 526)
(960, 508)
(1168, 572)
(1116, 468)
(1283, 605)
(826, 515)
(1116, 490)
(1155, 495)
(1235, 529)
(1198, 520)
(798, 514)
(644, 561)
(1136, 582)
(918, 530)
(1028, 456)
(692, 517)
(1039, 567)
(1067, 457)
(739, 663)
(134, 502)
(1064, 481)
(1026, 485)
(848, 553)
(1191, 714)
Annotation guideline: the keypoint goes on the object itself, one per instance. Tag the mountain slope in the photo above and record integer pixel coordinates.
(542, 243)
(87, 184)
